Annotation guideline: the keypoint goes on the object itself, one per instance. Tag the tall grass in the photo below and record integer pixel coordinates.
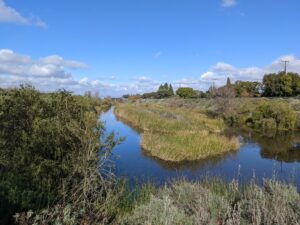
(215, 202)
(176, 134)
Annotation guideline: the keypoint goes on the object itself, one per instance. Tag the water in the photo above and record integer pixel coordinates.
(262, 157)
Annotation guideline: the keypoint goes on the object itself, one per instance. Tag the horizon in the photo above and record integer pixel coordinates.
(122, 47)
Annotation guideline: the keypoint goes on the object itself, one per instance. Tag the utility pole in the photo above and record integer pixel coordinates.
(285, 63)
(213, 82)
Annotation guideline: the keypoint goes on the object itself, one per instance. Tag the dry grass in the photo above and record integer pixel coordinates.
(215, 202)
(176, 134)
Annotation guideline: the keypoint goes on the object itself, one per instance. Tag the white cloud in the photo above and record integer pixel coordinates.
(219, 72)
(59, 61)
(10, 15)
(22, 65)
(229, 3)
(51, 72)
(54, 72)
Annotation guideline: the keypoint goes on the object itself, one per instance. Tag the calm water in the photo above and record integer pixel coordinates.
(258, 156)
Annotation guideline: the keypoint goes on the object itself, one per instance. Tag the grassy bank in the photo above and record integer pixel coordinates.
(262, 114)
(176, 134)
(216, 202)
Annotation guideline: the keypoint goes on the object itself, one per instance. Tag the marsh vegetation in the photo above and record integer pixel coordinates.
(176, 134)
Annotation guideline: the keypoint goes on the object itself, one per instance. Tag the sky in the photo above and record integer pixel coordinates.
(118, 47)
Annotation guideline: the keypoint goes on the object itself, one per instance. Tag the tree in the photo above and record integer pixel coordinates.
(247, 89)
(228, 82)
(281, 84)
(186, 92)
(165, 91)
(171, 91)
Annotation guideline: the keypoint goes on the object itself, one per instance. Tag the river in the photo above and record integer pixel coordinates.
(259, 157)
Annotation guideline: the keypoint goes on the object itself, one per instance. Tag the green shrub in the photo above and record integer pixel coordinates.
(278, 116)
(186, 92)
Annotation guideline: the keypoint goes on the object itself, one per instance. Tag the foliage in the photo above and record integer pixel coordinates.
(186, 92)
(165, 91)
(281, 84)
(215, 202)
(247, 89)
(150, 95)
(49, 148)
(176, 134)
(274, 116)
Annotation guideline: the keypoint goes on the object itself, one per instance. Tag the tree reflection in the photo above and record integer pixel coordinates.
(283, 147)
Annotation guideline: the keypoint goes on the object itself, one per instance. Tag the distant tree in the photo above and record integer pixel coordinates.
(165, 91)
(228, 82)
(247, 89)
(186, 92)
(171, 91)
(150, 95)
(281, 84)
(166, 86)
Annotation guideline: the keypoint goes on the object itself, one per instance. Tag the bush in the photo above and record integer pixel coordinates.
(50, 146)
(274, 116)
(186, 92)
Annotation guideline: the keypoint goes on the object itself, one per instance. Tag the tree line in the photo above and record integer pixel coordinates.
(273, 85)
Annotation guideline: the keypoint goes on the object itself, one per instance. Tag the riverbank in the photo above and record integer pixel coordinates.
(215, 202)
(174, 134)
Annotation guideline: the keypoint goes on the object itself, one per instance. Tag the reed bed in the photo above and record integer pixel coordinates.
(176, 134)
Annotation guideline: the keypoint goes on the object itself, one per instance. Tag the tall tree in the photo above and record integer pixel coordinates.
(171, 91)
(228, 82)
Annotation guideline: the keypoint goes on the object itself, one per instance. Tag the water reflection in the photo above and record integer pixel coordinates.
(190, 165)
(282, 147)
(259, 154)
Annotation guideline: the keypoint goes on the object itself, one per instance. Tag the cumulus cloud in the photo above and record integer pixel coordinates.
(228, 3)
(10, 15)
(54, 72)
(22, 65)
(59, 61)
(46, 73)
(220, 71)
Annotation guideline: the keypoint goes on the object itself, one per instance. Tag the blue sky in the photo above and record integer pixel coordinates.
(131, 46)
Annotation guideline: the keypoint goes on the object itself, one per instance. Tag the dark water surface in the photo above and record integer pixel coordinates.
(259, 156)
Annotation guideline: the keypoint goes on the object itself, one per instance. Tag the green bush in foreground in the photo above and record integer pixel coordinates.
(52, 154)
